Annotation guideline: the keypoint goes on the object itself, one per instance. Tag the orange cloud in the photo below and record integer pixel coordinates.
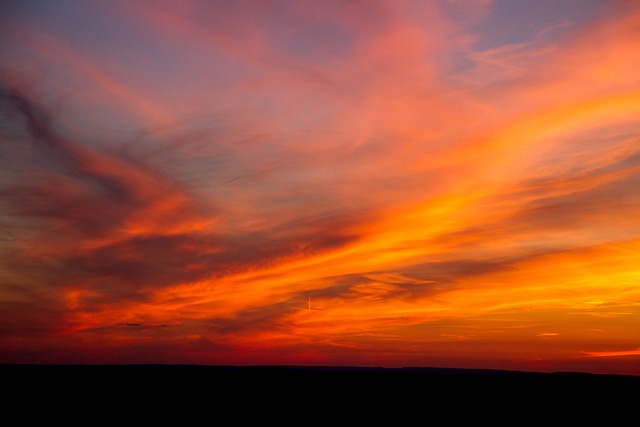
(325, 184)
(635, 352)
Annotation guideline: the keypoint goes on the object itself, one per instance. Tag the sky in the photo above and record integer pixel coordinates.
(448, 183)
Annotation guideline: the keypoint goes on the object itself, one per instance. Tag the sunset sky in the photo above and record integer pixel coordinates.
(451, 183)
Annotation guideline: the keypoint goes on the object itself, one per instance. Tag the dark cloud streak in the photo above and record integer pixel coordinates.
(85, 199)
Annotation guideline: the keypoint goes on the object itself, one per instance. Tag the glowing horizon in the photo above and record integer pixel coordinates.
(387, 183)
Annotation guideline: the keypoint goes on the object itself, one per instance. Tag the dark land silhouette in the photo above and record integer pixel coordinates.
(322, 394)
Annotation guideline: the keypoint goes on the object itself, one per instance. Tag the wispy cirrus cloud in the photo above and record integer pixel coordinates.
(634, 352)
(319, 182)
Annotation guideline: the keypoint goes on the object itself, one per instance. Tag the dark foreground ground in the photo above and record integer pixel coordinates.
(227, 395)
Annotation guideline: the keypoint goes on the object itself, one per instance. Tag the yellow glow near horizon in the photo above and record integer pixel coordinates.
(392, 184)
